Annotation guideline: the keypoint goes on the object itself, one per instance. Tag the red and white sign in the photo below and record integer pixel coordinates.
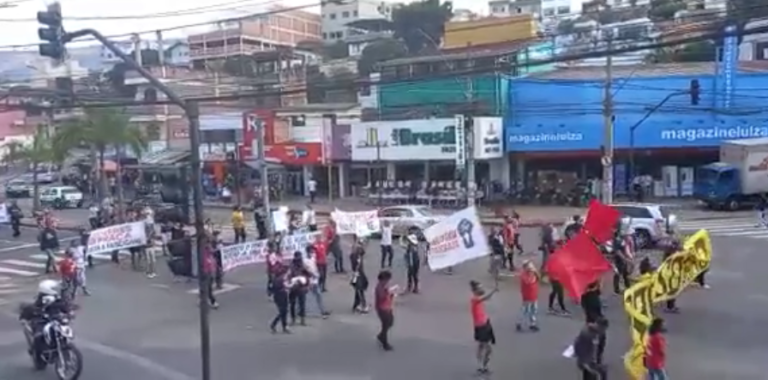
(115, 238)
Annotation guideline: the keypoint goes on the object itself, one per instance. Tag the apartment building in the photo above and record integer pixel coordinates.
(254, 34)
(336, 17)
(504, 8)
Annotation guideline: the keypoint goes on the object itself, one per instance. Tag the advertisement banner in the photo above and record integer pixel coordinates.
(361, 223)
(729, 65)
(488, 140)
(255, 252)
(456, 239)
(672, 277)
(117, 237)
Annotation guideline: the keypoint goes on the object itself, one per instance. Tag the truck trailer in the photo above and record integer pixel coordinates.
(738, 180)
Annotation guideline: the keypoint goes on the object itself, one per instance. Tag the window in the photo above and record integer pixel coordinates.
(563, 10)
(634, 212)
(332, 16)
(355, 13)
(345, 14)
(549, 12)
(325, 36)
(298, 121)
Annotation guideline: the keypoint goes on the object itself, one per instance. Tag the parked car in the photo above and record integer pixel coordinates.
(405, 218)
(164, 211)
(650, 223)
(60, 197)
(18, 189)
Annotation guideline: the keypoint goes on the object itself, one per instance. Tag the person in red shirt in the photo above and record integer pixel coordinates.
(321, 259)
(68, 272)
(508, 233)
(529, 292)
(656, 351)
(484, 335)
(385, 297)
(209, 273)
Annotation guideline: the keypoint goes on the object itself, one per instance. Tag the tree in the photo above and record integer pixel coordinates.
(379, 51)
(153, 131)
(421, 24)
(103, 128)
(44, 149)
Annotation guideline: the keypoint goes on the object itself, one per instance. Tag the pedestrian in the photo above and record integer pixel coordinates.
(359, 279)
(280, 298)
(591, 303)
(312, 189)
(49, 243)
(209, 272)
(529, 292)
(334, 246)
(701, 279)
(384, 301)
(509, 232)
(154, 249)
(274, 268)
(310, 218)
(321, 259)
(15, 214)
(261, 224)
(484, 335)
(297, 294)
(762, 205)
(412, 263)
(585, 350)
(78, 255)
(84, 235)
(671, 249)
(498, 251)
(68, 272)
(387, 252)
(310, 265)
(238, 224)
(93, 216)
(218, 245)
(656, 351)
(622, 255)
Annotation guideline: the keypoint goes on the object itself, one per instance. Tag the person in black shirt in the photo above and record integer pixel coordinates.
(49, 242)
(591, 303)
(14, 212)
(359, 280)
(280, 297)
(671, 305)
(573, 228)
(496, 243)
(586, 349)
(412, 263)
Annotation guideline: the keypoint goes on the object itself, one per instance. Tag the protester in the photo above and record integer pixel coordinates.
(321, 259)
(77, 251)
(412, 263)
(310, 265)
(279, 289)
(671, 249)
(310, 218)
(591, 303)
(298, 279)
(15, 214)
(154, 249)
(218, 244)
(498, 251)
(334, 246)
(484, 335)
(238, 224)
(359, 279)
(572, 227)
(623, 257)
(511, 235)
(274, 268)
(529, 292)
(656, 351)
(585, 350)
(384, 299)
(49, 243)
(387, 253)
(209, 272)
(261, 224)
(68, 272)
(94, 219)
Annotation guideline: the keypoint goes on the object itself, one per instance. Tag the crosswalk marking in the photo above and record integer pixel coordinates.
(24, 263)
(224, 288)
(734, 227)
(18, 272)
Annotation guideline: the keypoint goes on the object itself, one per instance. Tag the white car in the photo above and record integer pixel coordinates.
(404, 217)
(60, 197)
(649, 223)
(18, 189)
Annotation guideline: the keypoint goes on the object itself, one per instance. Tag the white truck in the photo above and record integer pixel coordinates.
(739, 179)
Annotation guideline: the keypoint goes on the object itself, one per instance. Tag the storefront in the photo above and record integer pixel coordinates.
(423, 150)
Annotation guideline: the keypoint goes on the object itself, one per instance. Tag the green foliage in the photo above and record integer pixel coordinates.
(664, 10)
(420, 24)
(379, 51)
(153, 132)
(102, 128)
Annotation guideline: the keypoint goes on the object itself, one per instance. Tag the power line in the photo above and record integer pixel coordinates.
(177, 13)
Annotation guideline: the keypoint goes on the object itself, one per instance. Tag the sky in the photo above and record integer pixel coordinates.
(114, 17)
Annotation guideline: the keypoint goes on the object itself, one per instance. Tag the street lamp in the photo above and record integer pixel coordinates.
(645, 117)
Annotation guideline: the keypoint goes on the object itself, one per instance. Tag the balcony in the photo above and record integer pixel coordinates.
(223, 51)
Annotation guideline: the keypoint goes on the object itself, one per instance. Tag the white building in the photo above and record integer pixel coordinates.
(561, 9)
(504, 8)
(335, 17)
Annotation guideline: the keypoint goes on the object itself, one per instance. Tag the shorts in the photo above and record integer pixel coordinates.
(484, 334)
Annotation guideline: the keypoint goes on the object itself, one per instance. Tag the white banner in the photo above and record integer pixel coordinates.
(117, 237)
(255, 252)
(361, 223)
(456, 239)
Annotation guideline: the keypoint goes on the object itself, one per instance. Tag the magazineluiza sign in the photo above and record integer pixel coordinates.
(420, 140)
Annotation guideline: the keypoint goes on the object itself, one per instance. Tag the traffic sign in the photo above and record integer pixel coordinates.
(607, 160)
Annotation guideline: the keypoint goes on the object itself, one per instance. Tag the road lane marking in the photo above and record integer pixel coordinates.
(224, 289)
(18, 272)
(43, 256)
(23, 263)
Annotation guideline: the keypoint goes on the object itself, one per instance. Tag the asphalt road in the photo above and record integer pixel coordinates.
(135, 326)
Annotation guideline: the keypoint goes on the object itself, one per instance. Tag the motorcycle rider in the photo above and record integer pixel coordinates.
(48, 302)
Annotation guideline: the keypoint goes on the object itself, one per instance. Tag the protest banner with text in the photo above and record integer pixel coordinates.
(456, 239)
(363, 223)
(117, 237)
(255, 252)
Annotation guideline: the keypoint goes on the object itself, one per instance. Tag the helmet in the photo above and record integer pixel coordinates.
(49, 287)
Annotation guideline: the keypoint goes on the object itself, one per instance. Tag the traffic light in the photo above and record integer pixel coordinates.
(52, 33)
(695, 92)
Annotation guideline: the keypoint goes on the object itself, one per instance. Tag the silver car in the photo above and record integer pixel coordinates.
(404, 217)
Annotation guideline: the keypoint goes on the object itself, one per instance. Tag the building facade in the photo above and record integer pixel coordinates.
(336, 17)
(556, 120)
(255, 34)
(504, 8)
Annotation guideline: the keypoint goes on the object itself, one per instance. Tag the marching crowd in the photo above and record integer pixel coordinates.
(292, 280)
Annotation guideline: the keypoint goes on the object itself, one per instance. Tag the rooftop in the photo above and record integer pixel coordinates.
(317, 107)
(485, 51)
(647, 70)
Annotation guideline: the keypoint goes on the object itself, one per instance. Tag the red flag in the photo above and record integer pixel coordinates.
(601, 221)
(577, 264)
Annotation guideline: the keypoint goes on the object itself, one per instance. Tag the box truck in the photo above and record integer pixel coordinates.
(739, 179)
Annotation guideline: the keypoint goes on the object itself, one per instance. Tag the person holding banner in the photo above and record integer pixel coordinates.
(484, 335)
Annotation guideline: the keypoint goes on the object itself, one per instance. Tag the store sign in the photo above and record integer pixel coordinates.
(296, 154)
(421, 140)
(488, 138)
(433, 139)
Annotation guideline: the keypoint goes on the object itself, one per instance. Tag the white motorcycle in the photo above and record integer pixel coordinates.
(54, 347)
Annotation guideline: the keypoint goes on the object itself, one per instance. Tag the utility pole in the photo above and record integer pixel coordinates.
(164, 74)
(469, 142)
(608, 118)
(261, 156)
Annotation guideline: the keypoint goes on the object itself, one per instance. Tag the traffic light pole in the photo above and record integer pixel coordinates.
(634, 127)
(192, 111)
